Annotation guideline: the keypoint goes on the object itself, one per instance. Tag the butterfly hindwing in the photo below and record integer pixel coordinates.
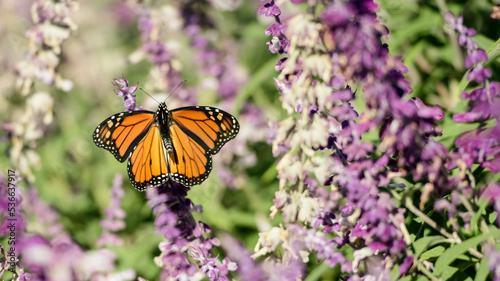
(120, 132)
(147, 166)
(189, 161)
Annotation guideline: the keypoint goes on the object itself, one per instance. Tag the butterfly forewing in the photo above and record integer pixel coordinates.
(120, 132)
(208, 126)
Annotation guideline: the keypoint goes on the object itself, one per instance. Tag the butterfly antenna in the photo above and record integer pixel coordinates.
(149, 95)
(183, 81)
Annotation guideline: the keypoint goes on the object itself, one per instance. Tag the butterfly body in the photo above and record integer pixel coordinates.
(175, 144)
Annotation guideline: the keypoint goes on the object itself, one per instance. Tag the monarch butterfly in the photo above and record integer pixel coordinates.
(169, 144)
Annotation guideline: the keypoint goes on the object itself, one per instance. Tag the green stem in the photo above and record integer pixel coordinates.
(409, 204)
(453, 238)
(425, 271)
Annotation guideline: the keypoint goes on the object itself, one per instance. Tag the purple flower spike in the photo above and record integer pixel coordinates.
(25, 277)
(270, 9)
(212, 268)
(52, 253)
(157, 52)
(115, 216)
(247, 268)
(278, 44)
(479, 73)
(424, 111)
(276, 29)
(408, 262)
(476, 56)
(184, 236)
(127, 93)
(481, 146)
(325, 139)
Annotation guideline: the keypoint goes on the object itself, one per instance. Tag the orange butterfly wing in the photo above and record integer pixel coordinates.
(147, 165)
(121, 132)
(196, 133)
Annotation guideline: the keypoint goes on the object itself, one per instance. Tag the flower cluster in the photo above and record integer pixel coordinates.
(48, 252)
(247, 269)
(323, 145)
(493, 261)
(153, 25)
(52, 28)
(216, 57)
(212, 268)
(482, 145)
(278, 44)
(184, 236)
(128, 93)
(115, 216)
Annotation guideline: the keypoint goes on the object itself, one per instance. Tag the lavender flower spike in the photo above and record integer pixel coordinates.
(127, 93)
(115, 215)
(482, 145)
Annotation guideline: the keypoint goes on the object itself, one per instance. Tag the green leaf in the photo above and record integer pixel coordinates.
(433, 253)
(423, 243)
(463, 84)
(453, 273)
(493, 51)
(451, 254)
(484, 42)
(494, 230)
(492, 217)
(477, 214)
(447, 272)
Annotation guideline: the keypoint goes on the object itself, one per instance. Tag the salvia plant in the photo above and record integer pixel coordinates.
(369, 143)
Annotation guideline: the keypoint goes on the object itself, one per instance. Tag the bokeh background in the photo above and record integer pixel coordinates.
(233, 69)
